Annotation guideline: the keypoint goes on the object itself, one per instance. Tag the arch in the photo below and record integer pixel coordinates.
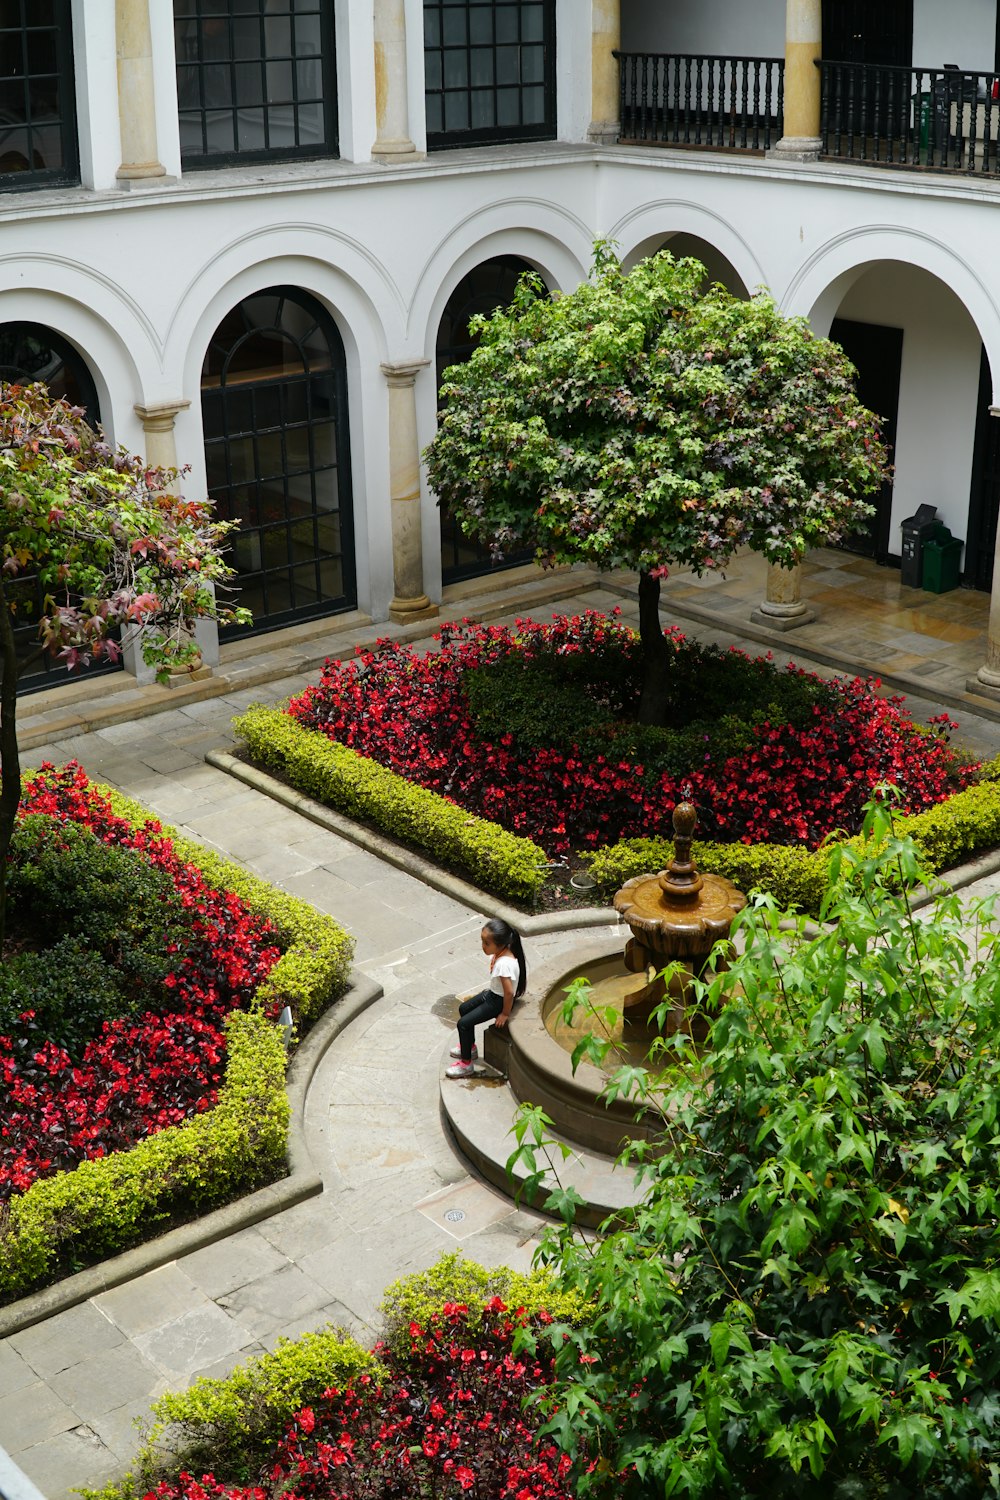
(819, 286)
(642, 231)
(274, 413)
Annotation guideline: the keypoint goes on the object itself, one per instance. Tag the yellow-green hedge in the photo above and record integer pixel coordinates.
(487, 854)
(105, 1205)
(953, 831)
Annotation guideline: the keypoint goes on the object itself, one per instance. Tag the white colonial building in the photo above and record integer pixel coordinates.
(246, 234)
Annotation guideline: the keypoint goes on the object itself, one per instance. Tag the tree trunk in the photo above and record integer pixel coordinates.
(10, 762)
(656, 654)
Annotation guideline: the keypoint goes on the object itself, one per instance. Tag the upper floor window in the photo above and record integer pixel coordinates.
(38, 145)
(255, 80)
(489, 69)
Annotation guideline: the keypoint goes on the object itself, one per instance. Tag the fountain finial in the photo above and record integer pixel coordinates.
(680, 878)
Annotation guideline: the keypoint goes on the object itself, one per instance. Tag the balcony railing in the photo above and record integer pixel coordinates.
(945, 119)
(717, 103)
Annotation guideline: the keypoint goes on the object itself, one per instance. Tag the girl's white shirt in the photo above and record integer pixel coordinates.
(504, 966)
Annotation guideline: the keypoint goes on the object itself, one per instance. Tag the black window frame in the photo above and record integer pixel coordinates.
(276, 619)
(494, 135)
(67, 174)
(329, 147)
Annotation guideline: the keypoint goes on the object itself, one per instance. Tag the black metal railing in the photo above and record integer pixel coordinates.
(941, 118)
(718, 103)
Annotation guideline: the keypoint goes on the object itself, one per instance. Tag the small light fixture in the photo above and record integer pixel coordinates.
(287, 1025)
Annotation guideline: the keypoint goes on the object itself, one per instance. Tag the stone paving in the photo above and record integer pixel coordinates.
(71, 1386)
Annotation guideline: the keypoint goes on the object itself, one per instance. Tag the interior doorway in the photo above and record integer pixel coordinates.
(877, 354)
(859, 32)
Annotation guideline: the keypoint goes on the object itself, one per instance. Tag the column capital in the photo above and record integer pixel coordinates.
(404, 372)
(159, 415)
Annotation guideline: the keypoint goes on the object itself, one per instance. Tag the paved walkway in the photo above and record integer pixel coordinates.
(71, 1386)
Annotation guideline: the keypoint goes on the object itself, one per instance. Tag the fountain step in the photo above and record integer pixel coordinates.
(481, 1112)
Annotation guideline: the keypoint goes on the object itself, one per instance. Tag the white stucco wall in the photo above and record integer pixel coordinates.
(962, 32)
(939, 383)
(750, 28)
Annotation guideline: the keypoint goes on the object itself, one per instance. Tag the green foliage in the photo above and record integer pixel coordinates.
(806, 1300)
(108, 1204)
(100, 956)
(103, 1206)
(230, 1425)
(498, 861)
(419, 1297)
(638, 420)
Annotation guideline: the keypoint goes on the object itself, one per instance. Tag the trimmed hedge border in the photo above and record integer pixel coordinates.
(102, 1205)
(500, 862)
(945, 835)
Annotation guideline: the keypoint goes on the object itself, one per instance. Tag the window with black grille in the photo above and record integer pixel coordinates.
(255, 80)
(38, 143)
(489, 71)
(274, 408)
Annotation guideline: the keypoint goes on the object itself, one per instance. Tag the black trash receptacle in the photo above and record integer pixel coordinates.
(916, 529)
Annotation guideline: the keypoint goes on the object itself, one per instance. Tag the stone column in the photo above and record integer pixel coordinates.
(136, 107)
(803, 49)
(392, 110)
(158, 425)
(782, 608)
(160, 452)
(409, 600)
(986, 682)
(606, 36)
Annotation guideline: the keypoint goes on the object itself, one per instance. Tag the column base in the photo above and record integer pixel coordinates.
(797, 148)
(604, 132)
(390, 150)
(405, 611)
(789, 618)
(985, 684)
(139, 171)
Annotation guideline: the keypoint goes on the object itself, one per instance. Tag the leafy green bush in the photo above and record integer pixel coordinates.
(498, 861)
(805, 1302)
(71, 989)
(231, 1424)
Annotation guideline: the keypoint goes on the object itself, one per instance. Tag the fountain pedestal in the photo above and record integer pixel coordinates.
(677, 916)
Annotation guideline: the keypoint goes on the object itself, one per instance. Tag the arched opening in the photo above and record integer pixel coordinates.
(918, 353)
(274, 408)
(32, 353)
(483, 289)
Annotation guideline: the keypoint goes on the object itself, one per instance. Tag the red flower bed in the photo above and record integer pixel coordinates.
(144, 1072)
(787, 783)
(450, 1423)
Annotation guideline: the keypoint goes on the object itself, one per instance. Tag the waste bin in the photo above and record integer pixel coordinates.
(915, 528)
(942, 559)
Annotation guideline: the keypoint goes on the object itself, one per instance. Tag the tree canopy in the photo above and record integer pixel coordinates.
(92, 542)
(641, 421)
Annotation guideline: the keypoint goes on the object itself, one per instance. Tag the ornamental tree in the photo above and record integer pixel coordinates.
(92, 543)
(638, 422)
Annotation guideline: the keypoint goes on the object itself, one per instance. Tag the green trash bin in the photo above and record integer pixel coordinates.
(942, 562)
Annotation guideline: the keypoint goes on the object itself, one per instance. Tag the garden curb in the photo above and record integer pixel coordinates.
(302, 1182)
(407, 859)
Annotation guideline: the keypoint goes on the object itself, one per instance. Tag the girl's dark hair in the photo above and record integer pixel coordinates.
(503, 934)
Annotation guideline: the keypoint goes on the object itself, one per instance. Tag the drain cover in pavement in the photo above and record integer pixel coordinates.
(465, 1208)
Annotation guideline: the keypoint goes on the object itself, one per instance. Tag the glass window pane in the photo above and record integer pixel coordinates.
(509, 107)
(456, 70)
(432, 70)
(481, 25)
(508, 64)
(533, 106)
(532, 23)
(456, 112)
(279, 82)
(432, 28)
(278, 35)
(532, 64)
(506, 23)
(482, 65)
(219, 131)
(483, 101)
(435, 114)
(454, 33)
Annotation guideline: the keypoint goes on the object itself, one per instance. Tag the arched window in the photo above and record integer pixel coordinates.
(489, 71)
(38, 144)
(255, 80)
(29, 353)
(274, 406)
(485, 288)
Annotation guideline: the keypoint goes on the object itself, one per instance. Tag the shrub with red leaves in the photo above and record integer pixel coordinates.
(787, 782)
(450, 1423)
(143, 1072)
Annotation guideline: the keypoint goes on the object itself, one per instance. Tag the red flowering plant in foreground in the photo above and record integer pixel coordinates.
(451, 1422)
(145, 1071)
(788, 782)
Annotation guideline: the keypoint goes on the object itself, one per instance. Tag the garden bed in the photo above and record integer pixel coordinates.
(514, 758)
(143, 1069)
